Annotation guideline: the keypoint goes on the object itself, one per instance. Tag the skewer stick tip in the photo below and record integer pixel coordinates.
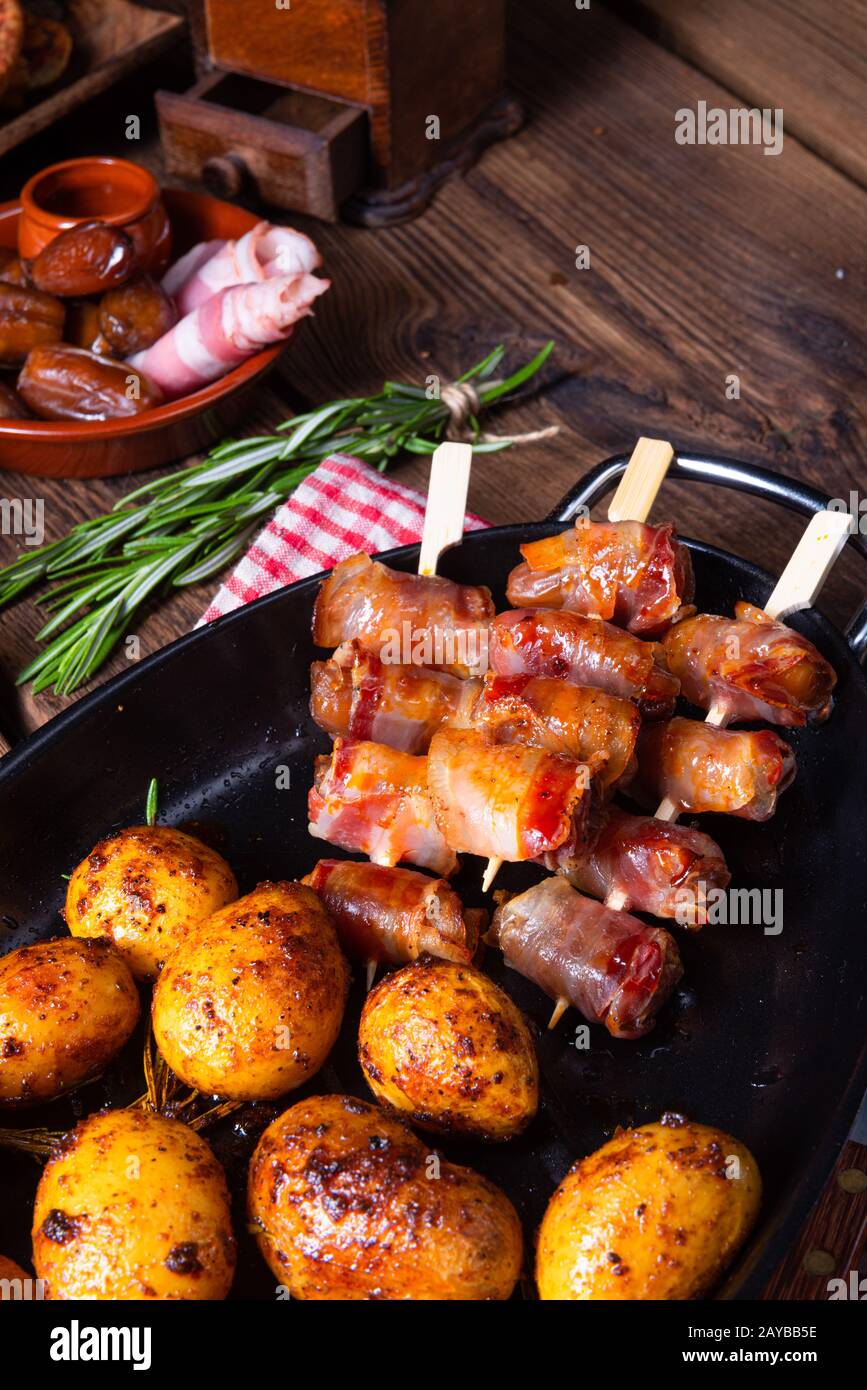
(559, 1010)
(371, 974)
(493, 868)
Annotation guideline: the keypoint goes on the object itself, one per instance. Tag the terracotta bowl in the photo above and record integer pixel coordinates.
(100, 448)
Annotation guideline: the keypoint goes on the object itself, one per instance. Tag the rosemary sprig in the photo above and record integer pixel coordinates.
(192, 523)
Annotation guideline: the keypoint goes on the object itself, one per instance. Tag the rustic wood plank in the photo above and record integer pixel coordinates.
(809, 59)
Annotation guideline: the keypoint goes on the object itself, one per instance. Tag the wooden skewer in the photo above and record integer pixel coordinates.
(797, 588)
(446, 507)
(371, 973)
(559, 1010)
(446, 503)
(636, 492)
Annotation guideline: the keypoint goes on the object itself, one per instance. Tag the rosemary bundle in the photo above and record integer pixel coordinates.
(190, 524)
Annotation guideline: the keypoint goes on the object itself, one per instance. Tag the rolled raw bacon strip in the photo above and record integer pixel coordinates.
(262, 253)
(186, 266)
(405, 619)
(584, 724)
(226, 330)
(608, 965)
(658, 867)
(635, 575)
(703, 768)
(505, 800)
(394, 915)
(374, 800)
(357, 695)
(584, 651)
(750, 667)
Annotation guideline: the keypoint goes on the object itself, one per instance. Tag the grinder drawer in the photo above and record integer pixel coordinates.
(293, 149)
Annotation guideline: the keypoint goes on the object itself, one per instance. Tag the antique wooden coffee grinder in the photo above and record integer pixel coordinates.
(339, 108)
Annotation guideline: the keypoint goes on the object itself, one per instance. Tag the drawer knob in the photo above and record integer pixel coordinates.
(225, 175)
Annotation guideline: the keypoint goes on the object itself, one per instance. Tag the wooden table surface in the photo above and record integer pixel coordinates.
(706, 262)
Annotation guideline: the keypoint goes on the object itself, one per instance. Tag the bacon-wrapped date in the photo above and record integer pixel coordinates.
(357, 695)
(505, 800)
(610, 966)
(394, 915)
(406, 619)
(702, 768)
(373, 799)
(750, 668)
(629, 573)
(658, 867)
(584, 651)
(587, 725)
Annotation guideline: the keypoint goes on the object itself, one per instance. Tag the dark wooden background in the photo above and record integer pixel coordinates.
(705, 262)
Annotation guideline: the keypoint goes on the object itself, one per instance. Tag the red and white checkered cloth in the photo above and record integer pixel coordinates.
(343, 507)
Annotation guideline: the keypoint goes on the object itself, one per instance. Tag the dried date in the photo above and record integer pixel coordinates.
(67, 383)
(89, 258)
(28, 319)
(135, 315)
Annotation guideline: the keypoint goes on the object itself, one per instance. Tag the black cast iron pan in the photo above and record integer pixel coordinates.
(765, 1037)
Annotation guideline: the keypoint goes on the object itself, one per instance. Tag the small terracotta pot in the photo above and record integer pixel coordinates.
(96, 189)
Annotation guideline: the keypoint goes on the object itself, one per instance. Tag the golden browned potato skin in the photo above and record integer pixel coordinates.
(66, 1008)
(10, 1270)
(650, 1215)
(133, 1206)
(146, 888)
(250, 1004)
(352, 1205)
(443, 1046)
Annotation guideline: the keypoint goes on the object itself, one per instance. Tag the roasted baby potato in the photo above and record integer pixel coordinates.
(66, 1008)
(350, 1204)
(446, 1048)
(133, 1206)
(145, 888)
(656, 1213)
(250, 1004)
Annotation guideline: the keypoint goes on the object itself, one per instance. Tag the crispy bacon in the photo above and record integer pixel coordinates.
(373, 799)
(627, 572)
(505, 800)
(703, 768)
(608, 965)
(587, 725)
(659, 867)
(410, 619)
(358, 695)
(394, 915)
(751, 667)
(584, 651)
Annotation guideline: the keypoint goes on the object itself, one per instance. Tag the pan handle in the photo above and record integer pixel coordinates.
(724, 472)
